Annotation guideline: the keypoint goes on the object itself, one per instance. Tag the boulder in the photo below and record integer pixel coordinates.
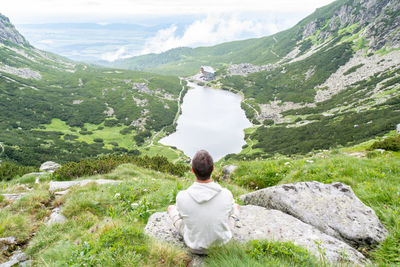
(398, 128)
(332, 208)
(56, 217)
(63, 185)
(49, 166)
(258, 223)
(228, 170)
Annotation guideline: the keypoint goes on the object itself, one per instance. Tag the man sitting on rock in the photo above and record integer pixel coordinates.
(205, 212)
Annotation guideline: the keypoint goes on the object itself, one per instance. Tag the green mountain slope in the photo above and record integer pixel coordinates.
(53, 108)
(377, 23)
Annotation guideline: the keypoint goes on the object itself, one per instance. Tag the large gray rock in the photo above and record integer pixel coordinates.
(398, 128)
(7, 242)
(332, 208)
(49, 166)
(63, 185)
(258, 223)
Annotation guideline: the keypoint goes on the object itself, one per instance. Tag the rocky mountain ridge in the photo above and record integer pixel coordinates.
(9, 33)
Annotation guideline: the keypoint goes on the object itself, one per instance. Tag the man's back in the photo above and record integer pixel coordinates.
(205, 209)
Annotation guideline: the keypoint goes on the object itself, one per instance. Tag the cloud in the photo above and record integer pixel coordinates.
(112, 56)
(209, 31)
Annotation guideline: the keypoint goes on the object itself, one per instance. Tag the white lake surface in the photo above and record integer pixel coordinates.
(211, 119)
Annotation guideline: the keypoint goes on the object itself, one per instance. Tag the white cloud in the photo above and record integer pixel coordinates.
(112, 56)
(209, 31)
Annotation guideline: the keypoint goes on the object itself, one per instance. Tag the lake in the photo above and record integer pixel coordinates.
(211, 119)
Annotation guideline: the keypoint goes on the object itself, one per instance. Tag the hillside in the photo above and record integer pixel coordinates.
(103, 224)
(54, 108)
(370, 24)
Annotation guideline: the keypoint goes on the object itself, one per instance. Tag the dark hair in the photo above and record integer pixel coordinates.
(202, 165)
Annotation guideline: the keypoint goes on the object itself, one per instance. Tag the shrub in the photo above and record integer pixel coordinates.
(9, 170)
(106, 164)
(110, 123)
(256, 177)
(390, 143)
(98, 140)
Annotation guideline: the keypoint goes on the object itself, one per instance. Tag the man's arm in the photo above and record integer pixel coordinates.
(176, 218)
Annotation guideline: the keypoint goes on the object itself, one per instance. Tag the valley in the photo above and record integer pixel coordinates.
(323, 99)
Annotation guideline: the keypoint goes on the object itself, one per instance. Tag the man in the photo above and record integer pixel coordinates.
(204, 213)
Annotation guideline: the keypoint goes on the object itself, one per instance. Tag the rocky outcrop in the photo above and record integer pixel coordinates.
(17, 257)
(25, 73)
(245, 69)
(258, 223)
(49, 166)
(331, 208)
(398, 128)
(9, 33)
(377, 21)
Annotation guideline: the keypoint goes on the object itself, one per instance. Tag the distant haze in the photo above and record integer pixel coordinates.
(147, 26)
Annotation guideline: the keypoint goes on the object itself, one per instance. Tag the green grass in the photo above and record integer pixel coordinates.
(108, 134)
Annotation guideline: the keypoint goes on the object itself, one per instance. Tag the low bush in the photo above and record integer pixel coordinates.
(390, 143)
(106, 164)
(9, 170)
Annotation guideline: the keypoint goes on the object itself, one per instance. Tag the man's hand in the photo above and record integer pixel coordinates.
(237, 206)
(170, 207)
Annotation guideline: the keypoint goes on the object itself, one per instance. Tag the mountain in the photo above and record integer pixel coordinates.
(374, 24)
(52, 108)
(331, 80)
(8, 33)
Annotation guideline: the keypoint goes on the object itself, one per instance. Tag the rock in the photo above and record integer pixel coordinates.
(61, 193)
(16, 258)
(49, 166)
(332, 208)
(55, 185)
(398, 128)
(258, 223)
(228, 170)
(6, 242)
(56, 217)
(27, 263)
(13, 196)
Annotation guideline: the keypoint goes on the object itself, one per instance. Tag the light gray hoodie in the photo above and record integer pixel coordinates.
(205, 209)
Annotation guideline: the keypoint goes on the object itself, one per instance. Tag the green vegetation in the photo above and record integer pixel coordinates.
(391, 143)
(353, 69)
(62, 116)
(106, 164)
(9, 170)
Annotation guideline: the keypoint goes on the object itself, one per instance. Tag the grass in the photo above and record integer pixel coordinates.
(105, 223)
(108, 134)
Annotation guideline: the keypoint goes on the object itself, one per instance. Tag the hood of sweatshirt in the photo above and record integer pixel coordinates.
(203, 192)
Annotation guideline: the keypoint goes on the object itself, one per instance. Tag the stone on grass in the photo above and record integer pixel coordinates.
(258, 223)
(63, 185)
(332, 208)
(16, 258)
(7, 242)
(49, 166)
(15, 196)
(56, 217)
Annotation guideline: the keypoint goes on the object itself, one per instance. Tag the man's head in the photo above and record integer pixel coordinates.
(202, 165)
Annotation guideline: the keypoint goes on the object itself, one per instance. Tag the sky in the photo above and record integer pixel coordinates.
(41, 11)
(187, 23)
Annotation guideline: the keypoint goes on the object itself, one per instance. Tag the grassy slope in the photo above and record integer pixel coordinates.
(103, 226)
(187, 61)
(53, 96)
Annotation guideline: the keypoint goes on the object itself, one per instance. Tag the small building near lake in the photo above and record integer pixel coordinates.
(208, 73)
